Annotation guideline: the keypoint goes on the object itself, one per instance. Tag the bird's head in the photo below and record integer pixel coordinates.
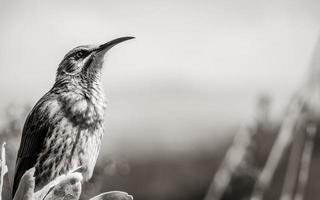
(84, 63)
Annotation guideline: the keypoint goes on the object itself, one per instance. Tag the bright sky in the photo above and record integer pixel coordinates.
(220, 44)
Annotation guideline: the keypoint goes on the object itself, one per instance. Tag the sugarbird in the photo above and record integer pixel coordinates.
(64, 129)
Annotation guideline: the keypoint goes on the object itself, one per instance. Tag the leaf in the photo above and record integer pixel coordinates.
(5, 189)
(113, 195)
(63, 187)
(25, 189)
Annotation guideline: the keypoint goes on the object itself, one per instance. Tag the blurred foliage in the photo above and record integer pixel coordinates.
(175, 176)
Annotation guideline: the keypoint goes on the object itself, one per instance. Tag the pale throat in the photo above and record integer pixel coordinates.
(84, 101)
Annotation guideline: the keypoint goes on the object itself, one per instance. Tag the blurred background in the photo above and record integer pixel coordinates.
(177, 94)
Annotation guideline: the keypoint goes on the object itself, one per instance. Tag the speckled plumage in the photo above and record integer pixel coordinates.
(76, 129)
(65, 128)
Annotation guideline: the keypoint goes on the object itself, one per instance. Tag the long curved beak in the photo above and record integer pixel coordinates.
(105, 47)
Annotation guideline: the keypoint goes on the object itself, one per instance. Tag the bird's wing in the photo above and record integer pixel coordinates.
(33, 137)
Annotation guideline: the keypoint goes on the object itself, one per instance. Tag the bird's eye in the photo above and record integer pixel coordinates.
(79, 55)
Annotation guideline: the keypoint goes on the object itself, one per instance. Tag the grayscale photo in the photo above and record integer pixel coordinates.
(159, 100)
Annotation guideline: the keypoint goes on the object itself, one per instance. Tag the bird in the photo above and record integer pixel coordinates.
(64, 129)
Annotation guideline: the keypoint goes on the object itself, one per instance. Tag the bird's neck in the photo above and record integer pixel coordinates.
(85, 101)
(89, 88)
